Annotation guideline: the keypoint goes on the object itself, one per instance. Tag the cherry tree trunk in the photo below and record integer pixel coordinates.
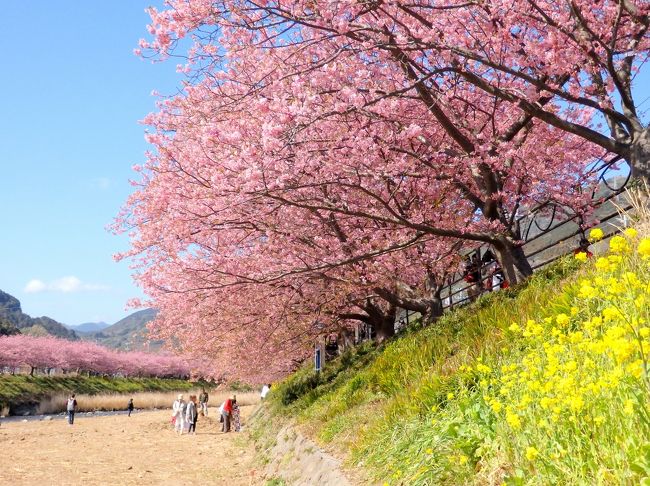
(346, 340)
(434, 310)
(640, 156)
(384, 329)
(513, 261)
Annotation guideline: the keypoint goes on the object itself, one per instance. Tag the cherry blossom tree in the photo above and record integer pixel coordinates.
(81, 356)
(317, 145)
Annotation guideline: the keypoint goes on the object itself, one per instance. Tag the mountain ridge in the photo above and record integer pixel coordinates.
(13, 317)
(87, 327)
(129, 333)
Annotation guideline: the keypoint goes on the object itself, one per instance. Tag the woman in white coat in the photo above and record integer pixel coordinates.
(178, 414)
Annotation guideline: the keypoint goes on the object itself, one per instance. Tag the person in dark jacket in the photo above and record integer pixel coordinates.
(129, 407)
(203, 402)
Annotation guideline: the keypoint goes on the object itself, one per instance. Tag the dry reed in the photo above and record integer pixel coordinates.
(141, 400)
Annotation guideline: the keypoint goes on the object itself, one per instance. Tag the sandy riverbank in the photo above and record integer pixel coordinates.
(141, 449)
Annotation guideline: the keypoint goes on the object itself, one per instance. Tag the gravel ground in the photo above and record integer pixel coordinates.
(116, 449)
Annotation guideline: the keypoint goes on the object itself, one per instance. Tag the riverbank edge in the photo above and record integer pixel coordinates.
(21, 394)
(288, 457)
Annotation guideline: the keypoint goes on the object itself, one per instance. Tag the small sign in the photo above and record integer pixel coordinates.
(317, 360)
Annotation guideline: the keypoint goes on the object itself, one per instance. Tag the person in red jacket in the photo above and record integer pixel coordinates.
(226, 413)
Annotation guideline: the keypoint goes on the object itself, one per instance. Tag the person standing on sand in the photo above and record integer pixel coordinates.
(203, 401)
(71, 408)
(191, 416)
(178, 414)
(226, 414)
(129, 407)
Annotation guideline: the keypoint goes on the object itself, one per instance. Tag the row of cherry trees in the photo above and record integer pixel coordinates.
(48, 353)
(328, 162)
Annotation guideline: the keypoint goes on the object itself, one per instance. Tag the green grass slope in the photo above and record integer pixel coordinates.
(543, 384)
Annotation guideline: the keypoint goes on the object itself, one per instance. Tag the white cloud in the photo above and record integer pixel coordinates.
(34, 286)
(66, 285)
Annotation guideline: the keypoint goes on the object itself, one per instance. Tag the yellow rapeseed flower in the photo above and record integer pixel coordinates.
(581, 256)
(514, 327)
(531, 453)
(618, 244)
(644, 247)
(513, 420)
(602, 264)
(576, 403)
(631, 233)
(481, 368)
(596, 234)
(615, 259)
(587, 291)
(562, 320)
(611, 314)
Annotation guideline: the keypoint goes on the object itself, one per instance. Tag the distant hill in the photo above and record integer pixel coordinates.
(89, 327)
(11, 313)
(128, 334)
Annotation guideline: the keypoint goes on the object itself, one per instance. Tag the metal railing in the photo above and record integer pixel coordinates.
(550, 231)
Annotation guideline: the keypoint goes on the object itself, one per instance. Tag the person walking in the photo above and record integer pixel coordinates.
(203, 402)
(178, 414)
(226, 414)
(265, 391)
(71, 408)
(191, 415)
(129, 407)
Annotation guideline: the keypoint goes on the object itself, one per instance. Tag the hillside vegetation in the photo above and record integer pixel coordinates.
(542, 384)
(24, 388)
(129, 333)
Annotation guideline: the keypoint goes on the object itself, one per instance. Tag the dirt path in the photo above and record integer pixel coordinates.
(141, 449)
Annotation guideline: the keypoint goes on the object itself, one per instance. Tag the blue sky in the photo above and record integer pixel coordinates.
(71, 95)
